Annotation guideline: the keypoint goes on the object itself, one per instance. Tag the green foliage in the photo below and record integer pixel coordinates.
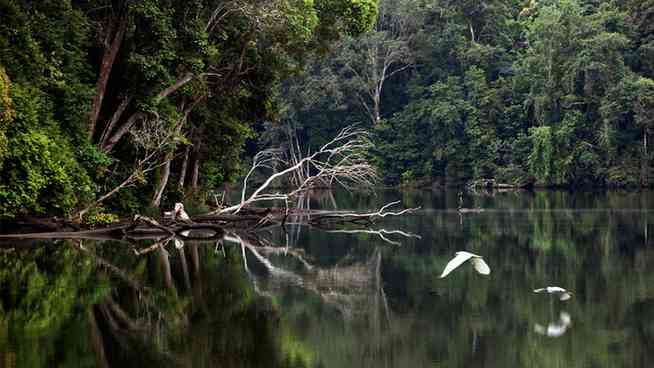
(7, 113)
(98, 217)
(352, 16)
(540, 158)
(43, 44)
(40, 174)
(216, 62)
(408, 177)
(551, 90)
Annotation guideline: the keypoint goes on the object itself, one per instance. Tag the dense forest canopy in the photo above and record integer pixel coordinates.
(131, 104)
(142, 97)
(553, 91)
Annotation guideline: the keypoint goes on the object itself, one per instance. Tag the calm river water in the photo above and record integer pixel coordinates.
(353, 296)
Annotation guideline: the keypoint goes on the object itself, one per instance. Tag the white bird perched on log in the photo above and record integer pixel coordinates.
(562, 293)
(460, 258)
(181, 214)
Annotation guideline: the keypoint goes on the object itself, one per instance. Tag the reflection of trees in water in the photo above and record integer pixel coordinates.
(343, 300)
(185, 305)
(175, 307)
(468, 321)
(599, 253)
(212, 313)
(36, 304)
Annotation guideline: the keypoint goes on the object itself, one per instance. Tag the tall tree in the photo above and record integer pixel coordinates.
(367, 62)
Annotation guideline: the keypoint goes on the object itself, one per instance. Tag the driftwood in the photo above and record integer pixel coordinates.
(213, 227)
(136, 228)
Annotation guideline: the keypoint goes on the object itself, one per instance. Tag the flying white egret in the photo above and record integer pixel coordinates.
(460, 258)
(562, 293)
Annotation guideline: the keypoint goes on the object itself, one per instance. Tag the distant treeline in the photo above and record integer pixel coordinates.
(556, 91)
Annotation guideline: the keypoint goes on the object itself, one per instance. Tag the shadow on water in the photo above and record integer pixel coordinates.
(306, 297)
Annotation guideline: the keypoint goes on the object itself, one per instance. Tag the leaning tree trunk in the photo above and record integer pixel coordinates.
(195, 161)
(114, 138)
(108, 58)
(164, 174)
(120, 132)
(165, 170)
(644, 162)
(195, 174)
(184, 168)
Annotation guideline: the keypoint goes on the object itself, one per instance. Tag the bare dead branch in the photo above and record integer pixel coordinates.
(343, 160)
(381, 213)
(151, 139)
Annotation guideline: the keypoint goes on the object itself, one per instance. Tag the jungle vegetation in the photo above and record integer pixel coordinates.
(117, 102)
(556, 92)
(124, 105)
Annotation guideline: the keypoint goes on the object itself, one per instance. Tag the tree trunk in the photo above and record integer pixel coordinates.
(165, 170)
(182, 172)
(114, 120)
(164, 174)
(115, 138)
(195, 174)
(174, 87)
(195, 160)
(108, 58)
(644, 163)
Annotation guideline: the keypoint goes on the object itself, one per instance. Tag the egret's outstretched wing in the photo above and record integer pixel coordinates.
(565, 296)
(556, 330)
(480, 266)
(457, 261)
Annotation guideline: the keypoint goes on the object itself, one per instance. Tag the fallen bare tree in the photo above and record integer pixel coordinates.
(343, 161)
(340, 162)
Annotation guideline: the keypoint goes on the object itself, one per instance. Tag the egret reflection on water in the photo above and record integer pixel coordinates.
(460, 258)
(555, 329)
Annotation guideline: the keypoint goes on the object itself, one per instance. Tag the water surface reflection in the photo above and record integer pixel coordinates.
(304, 297)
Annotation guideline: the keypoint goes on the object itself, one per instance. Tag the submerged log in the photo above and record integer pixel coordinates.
(101, 233)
